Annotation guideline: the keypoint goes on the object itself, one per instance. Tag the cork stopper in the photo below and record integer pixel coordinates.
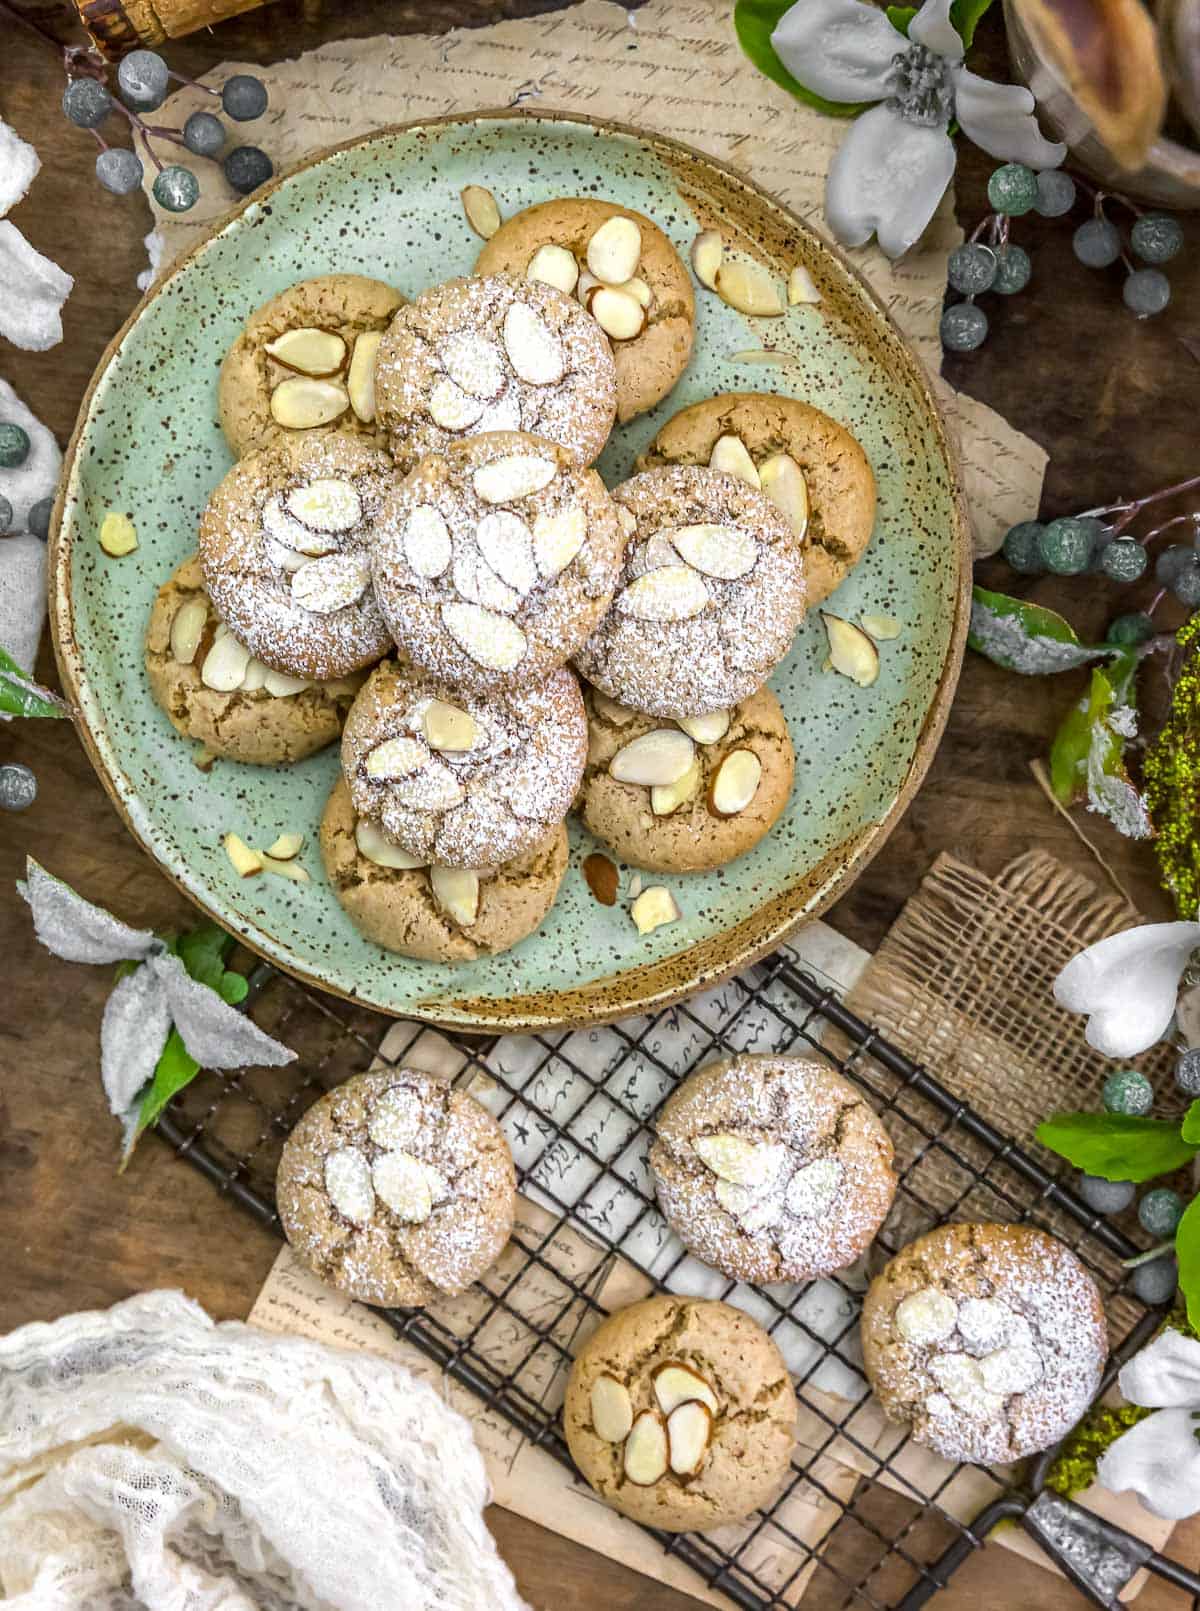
(119, 26)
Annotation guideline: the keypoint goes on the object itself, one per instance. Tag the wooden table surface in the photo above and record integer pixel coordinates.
(1114, 401)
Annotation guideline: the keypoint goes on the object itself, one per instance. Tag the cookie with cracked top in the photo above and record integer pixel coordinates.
(679, 1412)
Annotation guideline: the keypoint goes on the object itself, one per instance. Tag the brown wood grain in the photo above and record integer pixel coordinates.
(1112, 399)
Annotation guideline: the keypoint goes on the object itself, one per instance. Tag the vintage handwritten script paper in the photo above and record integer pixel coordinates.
(673, 67)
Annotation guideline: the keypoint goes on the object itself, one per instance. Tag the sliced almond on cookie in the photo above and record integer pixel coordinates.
(676, 1383)
(475, 580)
(614, 250)
(738, 1159)
(473, 362)
(427, 544)
(506, 543)
(783, 481)
(554, 265)
(514, 476)
(533, 349)
(619, 315)
(309, 351)
(708, 249)
(280, 685)
(689, 1432)
(292, 534)
(749, 288)
(396, 758)
(324, 586)
(451, 407)
(374, 844)
(449, 728)
(670, 593)
(433, 788)
(813, 1187)
(491, 640)
(638, 290)
(326, 503)
(724, 552)
(301, 403)
(348, 1184)
(557, 538)
(734, 783)
(187, 628)
(255, 677)
(612, 1409)
(709, 729)
(225, 664)
(658, 757)
(456, 890)
(481, 209)
(925, 1317)
(646, 1455)
(666, 798)
(731, 455)
(401, 1183)
(360, 380)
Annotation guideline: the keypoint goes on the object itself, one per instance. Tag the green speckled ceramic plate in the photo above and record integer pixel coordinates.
(148, 442)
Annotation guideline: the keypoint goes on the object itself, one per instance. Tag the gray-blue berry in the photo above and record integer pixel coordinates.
(1187, 1071)
(1157, 1281)
(1186, 585)
(86, 102)
(1136, 627)
(14, 446)
(177, 189)
(6, 514)
(964, 327)
(142, 79)
(1124, 560)
(1014, 269)
(204, 134)
(1156, 237)
(1173, 559)
(1105, 1196)
(1013, 189)
(971, 268)
(246, 167)
(119, 170)
(1127, 1092)
(1146, 292)
(18, 787)
(243, 97)
(1055, 193)
(38, 518)
(1097, 243)
(1160, 1211)
(1065, 546)
(1020, 547)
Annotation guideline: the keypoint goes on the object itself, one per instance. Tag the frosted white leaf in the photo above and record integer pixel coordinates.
(1004, 639)
(133, 1031)
(215, 1034)
(19, 164)
(73, 928)
(32, 292)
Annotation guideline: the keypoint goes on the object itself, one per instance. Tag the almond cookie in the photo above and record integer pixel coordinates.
(710, 595)
(679, 1412)
(397, 1189)
(437, 914)
(496, 559)
(459, 779)
(494, 354)
(624, 270)
(804, 461)
(772, 1168)
(285, 544)
(215, 691)
(306, 361)
(987, 1341)
(686, 797)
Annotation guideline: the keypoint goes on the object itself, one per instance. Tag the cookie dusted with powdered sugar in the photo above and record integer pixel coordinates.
(496, 559)
(710, 596)
(494, 354)
(772, 1168)
(397, 1189)
(285, 546)
(987, 1341)
(460, 779)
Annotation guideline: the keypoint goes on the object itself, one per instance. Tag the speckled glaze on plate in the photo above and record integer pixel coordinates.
(147, 442)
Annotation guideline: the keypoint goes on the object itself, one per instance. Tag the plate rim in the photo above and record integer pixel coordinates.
(649, 986)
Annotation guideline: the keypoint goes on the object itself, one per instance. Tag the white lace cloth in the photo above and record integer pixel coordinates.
(150, 1458)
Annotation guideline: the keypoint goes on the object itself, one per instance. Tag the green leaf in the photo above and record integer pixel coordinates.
(1069, 753)
(900, 17)
(1117, 1146)
(203, 952)
(754, 22)
(966, 15)
(176, 1067)
(1026, 637)
(21, 696)
(1187, 1251)
(1190, 1128)
(234, 987)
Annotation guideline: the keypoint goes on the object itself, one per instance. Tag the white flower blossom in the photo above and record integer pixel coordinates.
(1128, 985)
(897, 158)
(1159, 1458)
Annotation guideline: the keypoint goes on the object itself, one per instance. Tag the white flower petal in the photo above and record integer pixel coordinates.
(1128, 983)
(932, 28)
(1166, 1374)
(888, 177)
(840, 49)
(1159, 1459)
(1000, 119)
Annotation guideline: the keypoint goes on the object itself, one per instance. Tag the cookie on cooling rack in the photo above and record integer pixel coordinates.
(679, 1412)
(804, 461)
(624, 270)
(772, 1168)
(397, 1189)
(437, 914)
(496, 559)
(460, 779)
(306, 361)
(987, 1341)
(494, 354)
(285, 545)
(214, 690)
(709, 599)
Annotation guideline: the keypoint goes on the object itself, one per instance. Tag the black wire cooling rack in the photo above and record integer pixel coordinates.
(866, 1519)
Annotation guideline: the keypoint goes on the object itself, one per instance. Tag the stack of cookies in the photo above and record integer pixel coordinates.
(414, 552)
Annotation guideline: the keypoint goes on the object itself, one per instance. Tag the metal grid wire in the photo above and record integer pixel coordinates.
(894, 1530)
